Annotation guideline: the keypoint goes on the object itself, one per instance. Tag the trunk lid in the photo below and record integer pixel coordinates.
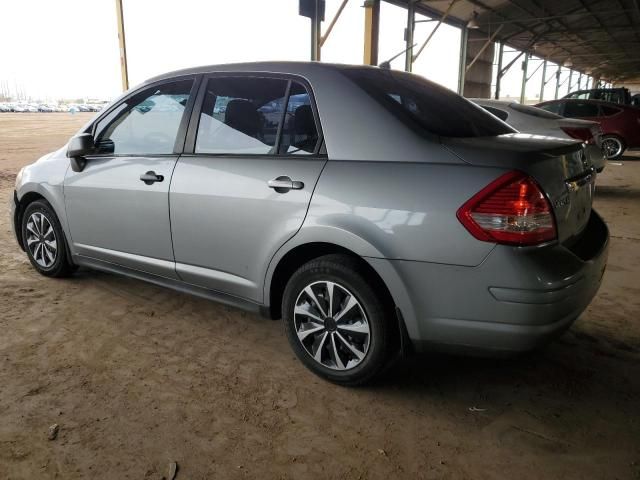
(560, 166)
(574, 123)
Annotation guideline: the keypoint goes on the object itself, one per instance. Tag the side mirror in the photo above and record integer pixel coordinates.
(79, 146)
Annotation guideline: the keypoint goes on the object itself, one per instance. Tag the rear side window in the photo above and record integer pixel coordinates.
(501, 114)
(245, 115)
(145, 123)
(608, 111)
(580, 109)
(426, 106)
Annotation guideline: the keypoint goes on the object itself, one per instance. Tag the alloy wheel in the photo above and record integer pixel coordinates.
(41, 240)
(612, 147)
(331, 325)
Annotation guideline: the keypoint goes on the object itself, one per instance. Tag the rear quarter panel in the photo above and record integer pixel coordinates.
(396, 210)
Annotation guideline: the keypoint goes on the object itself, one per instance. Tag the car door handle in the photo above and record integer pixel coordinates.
(283, 184)
(150, 178)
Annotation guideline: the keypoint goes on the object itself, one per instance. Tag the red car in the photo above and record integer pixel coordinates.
(620, 123)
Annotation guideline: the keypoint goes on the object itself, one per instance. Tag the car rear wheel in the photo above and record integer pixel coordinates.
(612, 147)
(336, 321)
(44, 240)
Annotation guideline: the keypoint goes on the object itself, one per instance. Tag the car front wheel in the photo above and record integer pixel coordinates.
(44, 240)
(336, 321)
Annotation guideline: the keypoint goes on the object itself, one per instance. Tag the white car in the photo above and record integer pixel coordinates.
(528, 119)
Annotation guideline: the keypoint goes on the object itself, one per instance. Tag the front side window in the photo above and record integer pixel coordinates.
(580, 110)
(243, 115)
(145, 123)
(579, 95)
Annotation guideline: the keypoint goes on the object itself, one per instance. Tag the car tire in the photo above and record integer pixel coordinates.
(612, 147)
(353, 342)
(44, 240)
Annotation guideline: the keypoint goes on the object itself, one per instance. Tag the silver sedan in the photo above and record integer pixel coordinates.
(375, 212)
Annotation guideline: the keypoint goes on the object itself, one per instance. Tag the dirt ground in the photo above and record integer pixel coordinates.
(138, 376)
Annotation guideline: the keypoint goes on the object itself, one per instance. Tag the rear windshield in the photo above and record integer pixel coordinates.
(425, 105)
(535, 111)
(501, 114)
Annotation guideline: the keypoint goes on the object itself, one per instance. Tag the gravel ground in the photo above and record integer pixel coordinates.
(137, 377)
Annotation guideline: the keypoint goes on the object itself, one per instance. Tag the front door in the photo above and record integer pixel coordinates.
(245, 188)
(118, 206)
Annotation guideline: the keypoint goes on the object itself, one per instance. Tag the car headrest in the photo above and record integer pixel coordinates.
(243, 116)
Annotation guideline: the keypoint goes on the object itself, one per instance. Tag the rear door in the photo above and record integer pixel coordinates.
(118, 206)
(242, 188)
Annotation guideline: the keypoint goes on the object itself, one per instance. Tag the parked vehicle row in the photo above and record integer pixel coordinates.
(528, 119)
(620, 95)
(42, 107)
(375, 212)
(620, 124)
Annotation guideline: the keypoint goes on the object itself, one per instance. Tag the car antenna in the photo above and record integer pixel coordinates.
(387, 63)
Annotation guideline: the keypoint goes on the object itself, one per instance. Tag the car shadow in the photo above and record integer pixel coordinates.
(623, 192)
(630, 156)
(574, 362)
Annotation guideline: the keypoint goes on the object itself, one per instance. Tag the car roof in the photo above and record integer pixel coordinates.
(595, 102)
(291, 67)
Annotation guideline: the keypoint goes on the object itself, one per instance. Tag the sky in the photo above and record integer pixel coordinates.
(69, 48)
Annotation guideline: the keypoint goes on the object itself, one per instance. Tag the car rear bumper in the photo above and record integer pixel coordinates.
(515, 300)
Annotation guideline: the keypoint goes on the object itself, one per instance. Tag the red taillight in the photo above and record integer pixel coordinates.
(512, 210)
(579, 133)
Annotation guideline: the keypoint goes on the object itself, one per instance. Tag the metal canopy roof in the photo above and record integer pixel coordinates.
(598, 37)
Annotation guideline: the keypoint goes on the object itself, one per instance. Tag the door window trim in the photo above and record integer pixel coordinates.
(181, 134)
(194, 121)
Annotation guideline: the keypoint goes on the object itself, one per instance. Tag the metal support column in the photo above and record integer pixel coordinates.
(315, 31)
(462, 63)
(543, 82)
(323, 38)
(408, 35)
(569, 84)
(123, 46)
(557, 82)
(525, 65)
(580, 81)
(499, 72)
(435, 29)
(371, 31)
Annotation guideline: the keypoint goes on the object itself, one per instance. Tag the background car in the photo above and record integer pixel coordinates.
(613, 95)
(528, 119)
(620, 123)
